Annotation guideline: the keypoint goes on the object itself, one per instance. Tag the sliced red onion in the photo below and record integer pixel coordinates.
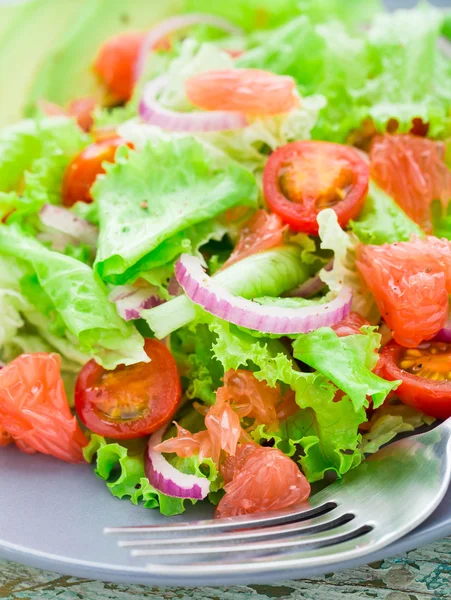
(167, 479)
(444, 335)
(310, 287)
(65, 221)
(153, 113)
(173, 24)
(58, 241)
(213, 298)
(131, 300)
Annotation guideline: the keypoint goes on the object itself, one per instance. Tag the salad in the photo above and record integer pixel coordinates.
(225, 242)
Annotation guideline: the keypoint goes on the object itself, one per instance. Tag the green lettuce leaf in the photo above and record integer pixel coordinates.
(395, 70)
(250, 14)
(409, 76)
(29, 140)
(352, 12)
(326, 431)
(12, 301)
(147, 198)
(127, 466)
(382, 221)
(192, 349)
(78, 296)
(122, 467)
(441, 220)
(34, 158)
(347, 362)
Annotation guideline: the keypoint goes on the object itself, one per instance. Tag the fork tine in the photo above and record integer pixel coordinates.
(276, 562)
(318, 540)
(303, 512)
(325, 522)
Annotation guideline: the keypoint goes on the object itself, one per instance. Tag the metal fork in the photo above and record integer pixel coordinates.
(384, 498)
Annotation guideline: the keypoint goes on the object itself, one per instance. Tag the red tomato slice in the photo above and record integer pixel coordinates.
(411, 282)
(34, 408)
(116, 62)
(129, 402)
(350, 325)
(302, 178)
(425, 373)
(263, 232)
(83, 170)
(249, 91)
(412, 170)
(260, 479)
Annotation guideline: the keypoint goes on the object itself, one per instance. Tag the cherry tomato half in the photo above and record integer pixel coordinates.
(302, 178)
(129, 402)
(425, 373)
(84, 168)
(116, 62)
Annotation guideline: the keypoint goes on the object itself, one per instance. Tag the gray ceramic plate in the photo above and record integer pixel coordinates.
(52, 516)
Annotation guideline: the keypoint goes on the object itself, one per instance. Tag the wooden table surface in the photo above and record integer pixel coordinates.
(423, 574)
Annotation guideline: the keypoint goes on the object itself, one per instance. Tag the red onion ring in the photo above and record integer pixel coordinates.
(131, 300)
(444, 335)
(213, 298)
(65, 221)
(160, 31)
(167, 479)
(153, 113)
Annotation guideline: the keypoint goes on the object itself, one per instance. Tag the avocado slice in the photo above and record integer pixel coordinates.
(32, 31)
(67, 73)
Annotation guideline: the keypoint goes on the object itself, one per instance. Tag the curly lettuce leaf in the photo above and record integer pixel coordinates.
(79, 297)
(125, 465)
(409, 76)
(441, 220)
(112, 459)
(12, 301)
(394, 70)
(249, 15)
(197, 364)
(147, 198)
(347, 362)
(352, 12)
(34, 158)
(326, 431)
(382, 221)
(29, 140)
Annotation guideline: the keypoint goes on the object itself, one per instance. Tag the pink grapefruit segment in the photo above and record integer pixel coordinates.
(250, 91)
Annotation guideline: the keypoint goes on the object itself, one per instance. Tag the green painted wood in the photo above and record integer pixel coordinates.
(423, 574)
